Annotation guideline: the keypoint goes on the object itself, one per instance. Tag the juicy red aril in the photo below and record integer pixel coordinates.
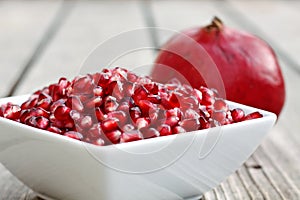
(140, 93)
(100, 115)
(150, 132)
(98, 91)
(95, 131)
(142, 122)
(44, 103)
(220, 105)
(164, 130)
(110, 104)
(130, 136)
(111, 124)
(171, 121)
(145, 106)
(135, 113)
(54, 130)
(190, 124)
(42, 122)
(117, 106)
(12, 112)
(86, 122)
(62, 113)
(83, 85)
(99, 142)
(75, 103)
(120, 115)
(253, 115)
(94, 102)
(114, 136)
(73, 134)
(154, 99)
(237, 114)
(178, 129)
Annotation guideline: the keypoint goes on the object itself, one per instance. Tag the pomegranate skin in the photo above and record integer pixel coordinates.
(247, 66)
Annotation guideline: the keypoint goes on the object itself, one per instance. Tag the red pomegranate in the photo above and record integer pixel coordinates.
(241, 66)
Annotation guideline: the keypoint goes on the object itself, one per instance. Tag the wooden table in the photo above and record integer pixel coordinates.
(41, 41)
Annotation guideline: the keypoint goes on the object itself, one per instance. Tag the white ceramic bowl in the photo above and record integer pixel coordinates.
(172, 167)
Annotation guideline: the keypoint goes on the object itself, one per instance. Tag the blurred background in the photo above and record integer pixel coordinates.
(41, 41)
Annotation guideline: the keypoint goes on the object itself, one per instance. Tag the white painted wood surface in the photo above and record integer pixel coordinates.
(52, 38)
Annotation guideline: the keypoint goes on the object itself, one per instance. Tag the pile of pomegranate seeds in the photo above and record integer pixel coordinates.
(117, 106)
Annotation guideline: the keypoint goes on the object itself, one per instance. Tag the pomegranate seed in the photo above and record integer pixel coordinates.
(62, 113)
(145, 106)
(253, 115)
(60, 102)
(154, 99)
(74, 135)
(191, 114)
(12, 112)
(42, 122)
(99, 142)
(94, 102)
(171, 121)
(40, 112)
(128, 89)
(135, 113)
(99, 114)
(98, 91)
(95, 131)
(133, 135)
(31, 121)
(142, 122)
(190, 124)
(176, 112)
(204, 124)
(110, 124)
(110, 104)
(44, 103)
(114, 136)
(127, 128)
(140, 93)
(83, 85)
(237, 114)
(30, 103)
(25, 114)
(75, 103)
(220, 105)
(75, 115)
(120, 115)
(164, 130)
(207, 96)
(178, 129)
(86, 122)
(219, 116)
(124, 106)
(54, 129)
(149, 132)
(198, 95)
(152, 88)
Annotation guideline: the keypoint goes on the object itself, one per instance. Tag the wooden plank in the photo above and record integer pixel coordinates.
(284, 139)
(22, 27)
(90, 24)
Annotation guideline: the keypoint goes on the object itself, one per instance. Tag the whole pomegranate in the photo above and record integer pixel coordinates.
(241, 66)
